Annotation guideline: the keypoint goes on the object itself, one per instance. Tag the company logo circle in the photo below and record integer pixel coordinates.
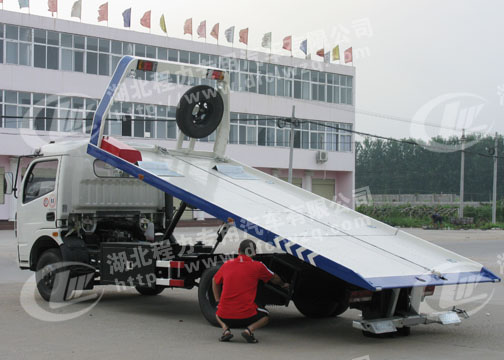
(443, 115)
(56, 310)
(469, 294)
(65, 124)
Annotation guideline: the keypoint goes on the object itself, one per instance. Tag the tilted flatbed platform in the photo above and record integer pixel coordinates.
(340, 241)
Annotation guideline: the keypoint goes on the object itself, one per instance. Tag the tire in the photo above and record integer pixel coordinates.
(149, 291)
(199, 111)
(404, 331)
(342, 304)
(312, 299)
(207, 303)
(51, 287)
(341, 307)
(373, 335)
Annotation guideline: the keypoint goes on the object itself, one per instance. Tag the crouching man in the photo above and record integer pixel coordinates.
(235, 287)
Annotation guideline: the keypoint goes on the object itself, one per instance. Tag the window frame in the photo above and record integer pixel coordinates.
(30, 171)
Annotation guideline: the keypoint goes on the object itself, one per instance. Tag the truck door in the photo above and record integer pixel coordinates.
(37, 201)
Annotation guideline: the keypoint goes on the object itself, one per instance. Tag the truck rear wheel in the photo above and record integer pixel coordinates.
(149, 291)
(206, 298)
(313, 300)
(51, 281)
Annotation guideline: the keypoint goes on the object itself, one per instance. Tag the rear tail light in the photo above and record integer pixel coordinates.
(215, 75)
(360, 296)
(429, 290)
(146, 65)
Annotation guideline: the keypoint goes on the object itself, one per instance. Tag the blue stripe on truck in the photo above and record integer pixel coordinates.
(107, 98)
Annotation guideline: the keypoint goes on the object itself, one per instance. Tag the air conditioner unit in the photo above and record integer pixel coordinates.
(322, 156)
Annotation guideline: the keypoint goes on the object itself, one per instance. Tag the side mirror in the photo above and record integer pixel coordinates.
(8, 183)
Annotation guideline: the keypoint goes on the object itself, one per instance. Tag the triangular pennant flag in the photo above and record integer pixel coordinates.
(77, 9)
(188, 26)
(348, 55)
(244, 36)
(202, 29)
(304, 46)
(103, 12)
(215, 31)
(162, 24)
(145, 20)
(321, 52)
(52, 6)
(230, 34)
(327, 57)
(287, 43)
(24, 3)
(335, 53)
(266, 41)
(127, 17)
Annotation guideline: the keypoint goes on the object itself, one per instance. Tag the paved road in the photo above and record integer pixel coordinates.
(125, 325)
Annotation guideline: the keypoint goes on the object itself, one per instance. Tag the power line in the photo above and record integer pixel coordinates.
(341, 130)
(409, 142)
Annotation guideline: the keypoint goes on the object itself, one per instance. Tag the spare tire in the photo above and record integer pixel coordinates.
(199, 111)
(207, 303)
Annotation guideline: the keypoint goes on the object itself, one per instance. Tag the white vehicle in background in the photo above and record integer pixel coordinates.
(108, 205)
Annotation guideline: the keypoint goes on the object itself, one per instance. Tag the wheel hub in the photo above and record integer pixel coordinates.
(201, 111)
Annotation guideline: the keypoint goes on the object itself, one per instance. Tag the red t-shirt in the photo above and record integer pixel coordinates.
(239, 277)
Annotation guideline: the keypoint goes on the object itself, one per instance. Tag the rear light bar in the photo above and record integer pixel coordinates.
(429, 290)
(147, 65)
(215, 75)
(360, 296)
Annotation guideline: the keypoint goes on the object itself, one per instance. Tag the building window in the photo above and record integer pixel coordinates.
(68, 52)
(158, 121)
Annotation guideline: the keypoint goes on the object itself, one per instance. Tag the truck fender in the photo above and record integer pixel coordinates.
(42, 244)
(74, 249)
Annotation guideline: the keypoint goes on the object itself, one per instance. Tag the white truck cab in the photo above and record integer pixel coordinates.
(64, 185)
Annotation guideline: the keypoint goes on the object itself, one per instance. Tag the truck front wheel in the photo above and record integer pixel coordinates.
(50, 276)
(206, 298)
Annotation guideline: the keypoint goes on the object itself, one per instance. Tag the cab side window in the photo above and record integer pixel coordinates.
(41, 180)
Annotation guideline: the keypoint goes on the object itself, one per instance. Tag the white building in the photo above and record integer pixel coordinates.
(53, 72)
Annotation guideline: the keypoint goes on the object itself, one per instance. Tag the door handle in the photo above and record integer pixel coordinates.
(51, 216)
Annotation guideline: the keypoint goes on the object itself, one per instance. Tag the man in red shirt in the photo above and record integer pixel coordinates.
(235, 287)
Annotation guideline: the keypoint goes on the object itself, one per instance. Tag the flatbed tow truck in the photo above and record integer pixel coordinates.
(103, 210)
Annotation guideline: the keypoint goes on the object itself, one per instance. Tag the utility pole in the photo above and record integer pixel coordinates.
(462, 166)
(291, 153)
(494, 195)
